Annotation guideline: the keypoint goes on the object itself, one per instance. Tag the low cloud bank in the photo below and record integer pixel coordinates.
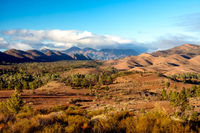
(63, 39)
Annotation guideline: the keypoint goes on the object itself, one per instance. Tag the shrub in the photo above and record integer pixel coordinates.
(194, 116)
(55, 128)
(23, 125)
(175, 87)
(45, 120)
(77, 124)
(128, 125)
(26, 112)
(6, 117)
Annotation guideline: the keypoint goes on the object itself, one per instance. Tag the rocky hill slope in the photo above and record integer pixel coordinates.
(182, 59)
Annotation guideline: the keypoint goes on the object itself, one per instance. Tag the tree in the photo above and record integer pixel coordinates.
(107, 88)
(167, 84)
(39, 83)
(182, 100)
(179, 99)
(197, 92)
(15, 103)
(164, 94)
(1, 86)
(173, 98)
(109, 80)
(25, 85)
(9, 86)
(175, 87)
(90, 88)
(18, 87)
(84, 83)
(101, 80)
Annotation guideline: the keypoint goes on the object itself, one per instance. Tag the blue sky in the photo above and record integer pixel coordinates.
(153, 23)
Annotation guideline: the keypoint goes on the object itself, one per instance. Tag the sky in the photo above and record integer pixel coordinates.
(61, 24)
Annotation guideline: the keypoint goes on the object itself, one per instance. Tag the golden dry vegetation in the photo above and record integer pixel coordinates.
(87, 96)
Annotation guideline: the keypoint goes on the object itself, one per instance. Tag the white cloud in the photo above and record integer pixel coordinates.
(28, 36)
(170, 41)
(21, 46)
(3, 43)
(62, 39)
(119, 40)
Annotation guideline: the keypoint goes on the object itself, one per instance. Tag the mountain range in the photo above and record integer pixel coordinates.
(73, 53)
(180, 59)
(19, 56)
(102, 54)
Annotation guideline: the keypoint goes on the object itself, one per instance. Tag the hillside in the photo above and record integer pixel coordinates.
(8, 58)
(19, 56)
(188, 50)
(22, 55)
(180, 59)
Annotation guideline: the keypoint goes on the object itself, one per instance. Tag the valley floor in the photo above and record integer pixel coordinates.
(134, 92)
(63, 99)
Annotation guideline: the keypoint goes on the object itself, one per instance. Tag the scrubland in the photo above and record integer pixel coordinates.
(88, 96)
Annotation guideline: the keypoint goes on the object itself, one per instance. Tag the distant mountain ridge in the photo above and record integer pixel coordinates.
(102, 54)
(19, 56)
(179, 53)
